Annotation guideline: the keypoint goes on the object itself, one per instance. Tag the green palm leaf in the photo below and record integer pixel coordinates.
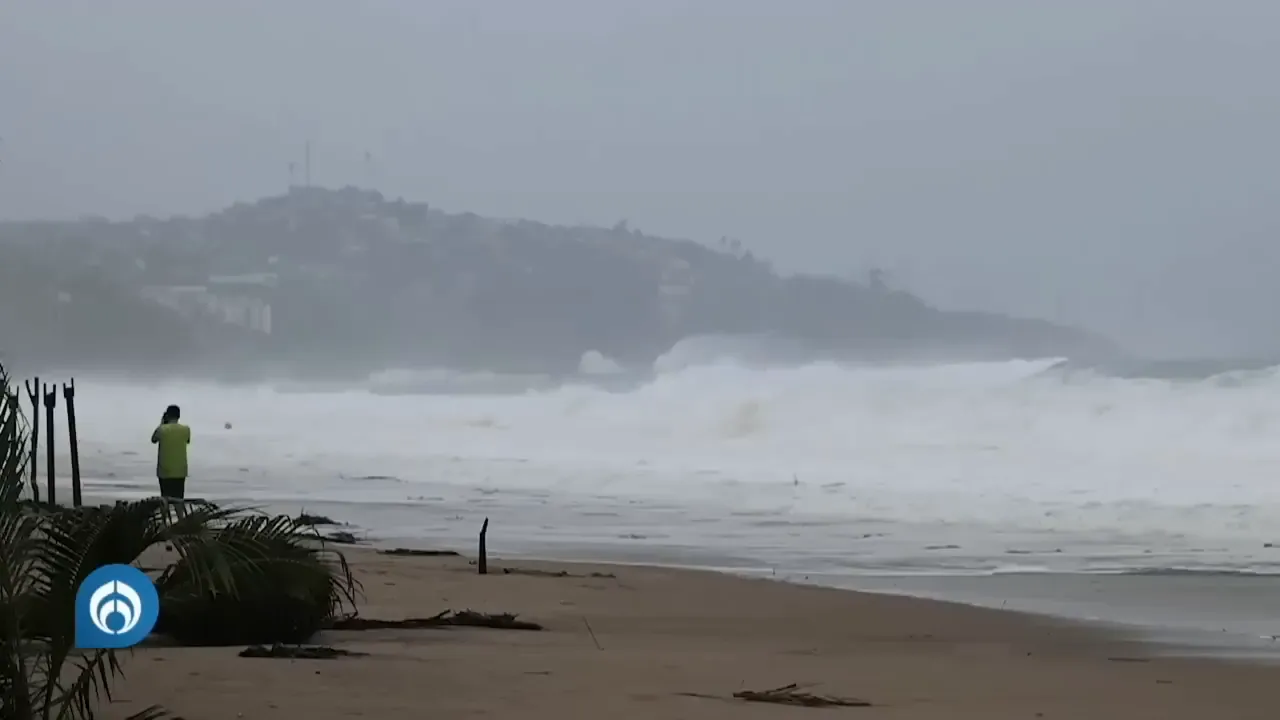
(253, 579)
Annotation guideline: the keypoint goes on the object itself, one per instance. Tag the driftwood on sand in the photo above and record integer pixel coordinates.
(556, 573)
(411, 552)
(298, 652)
(448, 618)
(786, 695)
(791, 695)
(308, 519)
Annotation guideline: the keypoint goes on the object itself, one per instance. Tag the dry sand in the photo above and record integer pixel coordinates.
(661, 635)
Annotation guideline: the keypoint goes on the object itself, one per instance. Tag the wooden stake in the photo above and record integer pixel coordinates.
(69, 394)
(482, 561)
(50, 402)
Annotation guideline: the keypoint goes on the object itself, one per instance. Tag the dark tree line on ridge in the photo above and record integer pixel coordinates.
(359, 283)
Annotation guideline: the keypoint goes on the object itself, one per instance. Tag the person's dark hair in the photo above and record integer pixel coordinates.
(173, 412)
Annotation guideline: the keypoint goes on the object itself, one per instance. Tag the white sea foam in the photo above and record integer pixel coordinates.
(874, 463)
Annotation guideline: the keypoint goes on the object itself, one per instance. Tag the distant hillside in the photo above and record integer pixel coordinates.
(336, 282)
(73, 317)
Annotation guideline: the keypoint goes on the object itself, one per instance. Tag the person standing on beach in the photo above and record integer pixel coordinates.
(171, 439)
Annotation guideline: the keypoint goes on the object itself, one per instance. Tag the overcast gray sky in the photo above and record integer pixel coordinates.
(1108, 162)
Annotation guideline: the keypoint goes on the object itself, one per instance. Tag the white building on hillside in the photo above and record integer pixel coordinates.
(232, 299)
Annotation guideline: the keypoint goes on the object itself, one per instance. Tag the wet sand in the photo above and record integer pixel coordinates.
(665, 643)
(1202, 613)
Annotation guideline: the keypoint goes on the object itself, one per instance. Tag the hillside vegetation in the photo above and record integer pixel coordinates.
(358, 283)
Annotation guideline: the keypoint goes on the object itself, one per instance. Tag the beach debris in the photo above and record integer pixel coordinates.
(482, 559)
(298, 652)
(359, 623)
(592, 633)
(501, 621)
(791, 695)
(314, 520)
(448, 618)
(556, 573)
(411, 552)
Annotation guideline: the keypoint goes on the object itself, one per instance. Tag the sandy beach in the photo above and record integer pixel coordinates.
(635, 642)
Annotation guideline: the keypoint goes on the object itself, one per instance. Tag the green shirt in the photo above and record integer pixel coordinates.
(171, 455)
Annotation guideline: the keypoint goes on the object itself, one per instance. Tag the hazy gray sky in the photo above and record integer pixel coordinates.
(1110, 162)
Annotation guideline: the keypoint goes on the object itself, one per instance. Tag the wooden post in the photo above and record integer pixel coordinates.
(482, 560)
(50, 402)
(69, 394)
(33, 393)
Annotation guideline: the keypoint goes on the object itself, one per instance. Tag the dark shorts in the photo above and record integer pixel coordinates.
(173, 488)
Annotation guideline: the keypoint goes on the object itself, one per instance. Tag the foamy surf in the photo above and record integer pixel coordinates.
(974, 467)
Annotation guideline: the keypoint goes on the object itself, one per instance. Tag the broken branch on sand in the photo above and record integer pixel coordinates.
(418, 553)
(501, 621)
(791, 695)
(314, 520)
(359, 623)
(341, 537)
(555, 573)
(448, 618)
(298, 652)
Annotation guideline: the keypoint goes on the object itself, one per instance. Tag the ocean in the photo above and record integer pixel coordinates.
(963, 468)
(873, 476)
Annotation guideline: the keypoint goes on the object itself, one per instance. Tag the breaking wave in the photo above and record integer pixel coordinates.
(743, 446)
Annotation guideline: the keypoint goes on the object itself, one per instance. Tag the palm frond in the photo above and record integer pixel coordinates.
(239, 576)
(17, 557)
(155, 712)
(14, 455)
(253, 578)
(92, 685)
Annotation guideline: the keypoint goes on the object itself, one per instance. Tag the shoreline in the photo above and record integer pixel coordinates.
(1225, 616)
(1218, 614)
(638, 642)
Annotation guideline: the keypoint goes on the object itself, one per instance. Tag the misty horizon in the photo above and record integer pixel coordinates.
(1105, 165)
(968, 302)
